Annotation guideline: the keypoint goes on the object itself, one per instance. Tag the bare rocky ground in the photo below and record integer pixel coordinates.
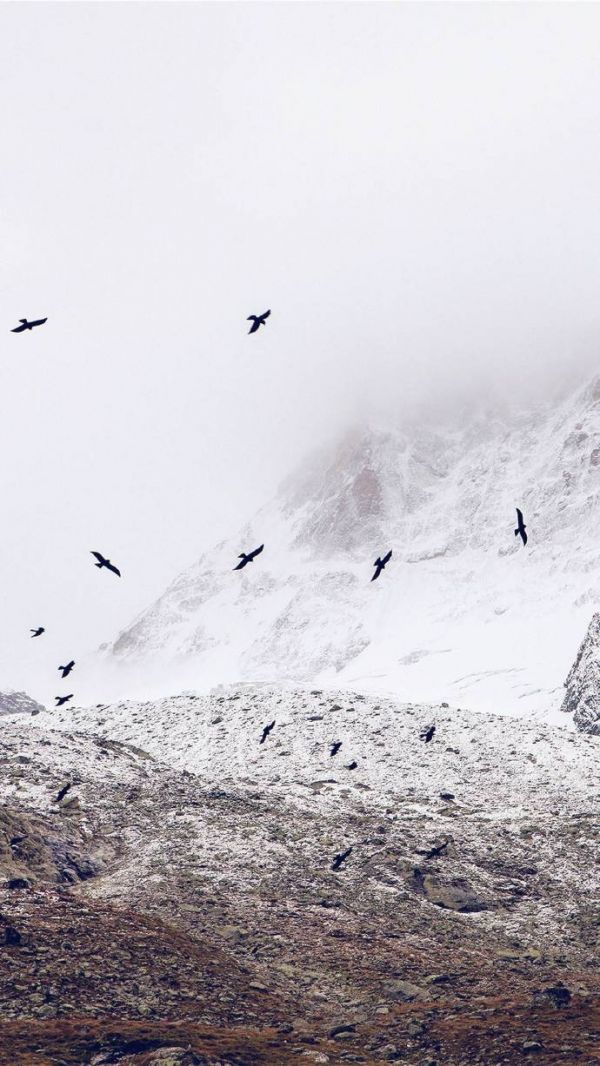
(178, 905)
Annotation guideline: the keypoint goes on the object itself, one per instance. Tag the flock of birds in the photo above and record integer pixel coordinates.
(245, 557)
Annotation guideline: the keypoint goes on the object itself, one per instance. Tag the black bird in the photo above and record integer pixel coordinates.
(249, 558)
(105, 562)
(379, 565)
(63, 792)
(266, 732)
(521, 527)
(431, 854)
(427, 734)
(257, 321)
(352, 765)
(335, 747)
(340, 858)
(66, 670)
(63, 699)
(28, 325)
(37, 632)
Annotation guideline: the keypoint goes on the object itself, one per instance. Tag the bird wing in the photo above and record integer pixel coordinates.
(38, 322)
(524, 535)
(256, 552)
(240, 566)
(387, 557)
(520, 516)
(266, 314)
(114, 569)
(18, 329)
(99, 556)
(255, 324)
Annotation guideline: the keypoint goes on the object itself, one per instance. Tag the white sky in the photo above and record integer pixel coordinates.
(412, 189)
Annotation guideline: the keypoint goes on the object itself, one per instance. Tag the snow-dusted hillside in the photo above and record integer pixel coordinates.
(462, 918)
(521, 768)
(463, 612)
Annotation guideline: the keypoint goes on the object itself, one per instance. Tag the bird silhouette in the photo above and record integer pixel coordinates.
(248, 558)
(427, 734)
(432, 852)
(521, 527)
(102, 562)
(63, 699)
(257, 321)
(379, 565)
(63, 792)
(335, 747)
(37, 632)
(266, 732)
(340, 858)
(28, 325)
(66, 670)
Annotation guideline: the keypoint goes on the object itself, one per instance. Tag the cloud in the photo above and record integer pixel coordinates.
(411, 188)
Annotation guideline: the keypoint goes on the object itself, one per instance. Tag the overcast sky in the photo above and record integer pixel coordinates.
(412, 189)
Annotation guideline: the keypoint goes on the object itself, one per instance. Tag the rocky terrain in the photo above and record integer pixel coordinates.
(167, 882)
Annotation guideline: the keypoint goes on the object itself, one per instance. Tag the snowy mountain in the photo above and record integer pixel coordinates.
(463, 612)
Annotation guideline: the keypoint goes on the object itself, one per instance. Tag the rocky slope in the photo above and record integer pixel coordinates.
(463, 612)
(184, 895)
(582, 698)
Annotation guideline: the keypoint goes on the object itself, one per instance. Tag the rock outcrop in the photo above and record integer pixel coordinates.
(582, 698)
(19, 703)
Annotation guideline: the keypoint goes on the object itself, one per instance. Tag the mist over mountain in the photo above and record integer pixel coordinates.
(463, 611)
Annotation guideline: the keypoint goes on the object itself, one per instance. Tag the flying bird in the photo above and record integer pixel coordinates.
(379, 565)
(335, 747)
(427, 734)
(37, 632)
(66, 670)
(340, 858)
(248, 558)
(521, 527)
(257, 321)
(106, 563)
(266, 732)
(63, 699)
(63, 792)
(28, 325)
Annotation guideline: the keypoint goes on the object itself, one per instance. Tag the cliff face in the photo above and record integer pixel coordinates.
(582, 698)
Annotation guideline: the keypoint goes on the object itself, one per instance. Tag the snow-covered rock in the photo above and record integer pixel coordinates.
(582, 698)
(19, 702)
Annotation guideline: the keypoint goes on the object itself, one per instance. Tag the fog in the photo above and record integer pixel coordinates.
(411, 188)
